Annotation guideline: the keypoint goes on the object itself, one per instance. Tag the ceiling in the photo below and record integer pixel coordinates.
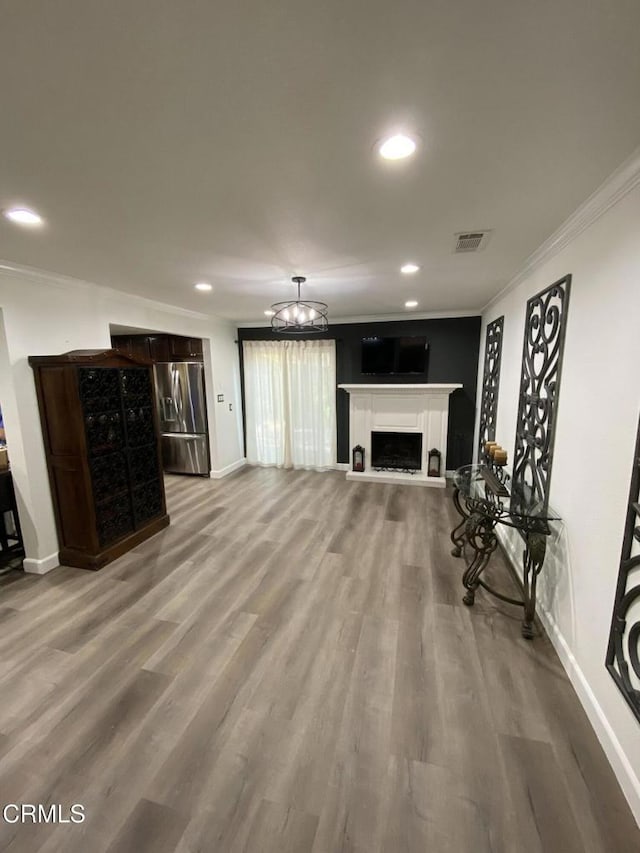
(167, 143)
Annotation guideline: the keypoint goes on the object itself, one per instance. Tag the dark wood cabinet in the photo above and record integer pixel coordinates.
(185, 347)
(121, 343)
(159, 347)
(137, 346)
(99, 423)
(140, 348)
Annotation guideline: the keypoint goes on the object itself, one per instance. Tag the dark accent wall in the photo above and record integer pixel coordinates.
(453, 357)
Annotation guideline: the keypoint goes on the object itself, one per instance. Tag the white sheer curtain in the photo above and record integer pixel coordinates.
(290, 403)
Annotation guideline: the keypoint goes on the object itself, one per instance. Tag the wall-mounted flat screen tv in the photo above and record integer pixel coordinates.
(394, 355)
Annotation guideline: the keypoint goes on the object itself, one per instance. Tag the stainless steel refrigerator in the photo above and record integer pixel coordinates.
(182, 413)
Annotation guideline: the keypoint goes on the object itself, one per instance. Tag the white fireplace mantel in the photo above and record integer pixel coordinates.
(400, 408)
(413, 388)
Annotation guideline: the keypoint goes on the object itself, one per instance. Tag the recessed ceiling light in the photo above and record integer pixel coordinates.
(397, 147)
(202, 285)
(23, 216)
(412, 303)
(408, 269)
(269, 313)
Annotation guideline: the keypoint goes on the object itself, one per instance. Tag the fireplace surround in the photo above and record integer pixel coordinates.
(417, 409)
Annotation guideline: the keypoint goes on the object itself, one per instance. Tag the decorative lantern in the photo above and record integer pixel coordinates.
(358, 458)
(433, 463)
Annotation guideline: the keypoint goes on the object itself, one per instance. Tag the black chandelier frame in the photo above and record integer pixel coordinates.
(285, 319)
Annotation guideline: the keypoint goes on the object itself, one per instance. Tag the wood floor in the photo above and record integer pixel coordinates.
(289, 668)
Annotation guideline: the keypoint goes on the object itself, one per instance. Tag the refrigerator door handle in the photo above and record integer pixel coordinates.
(183, 435)
(168, 409)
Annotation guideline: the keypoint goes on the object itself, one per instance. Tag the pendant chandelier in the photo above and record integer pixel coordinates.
(300, 316)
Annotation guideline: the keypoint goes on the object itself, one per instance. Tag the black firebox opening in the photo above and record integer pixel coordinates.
(396, 451)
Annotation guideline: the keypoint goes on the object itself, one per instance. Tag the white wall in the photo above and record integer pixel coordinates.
(47, 314)
(596, 429)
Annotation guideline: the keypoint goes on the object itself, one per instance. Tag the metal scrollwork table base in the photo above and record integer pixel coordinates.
(483, 501)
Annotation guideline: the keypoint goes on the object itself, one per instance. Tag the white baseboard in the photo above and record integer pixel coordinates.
(624, 771)
(622, 767)
(41, 567)
(229, 469)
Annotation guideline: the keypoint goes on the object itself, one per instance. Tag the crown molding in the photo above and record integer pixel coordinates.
(625, 178)
(64, 282)
(379, 318)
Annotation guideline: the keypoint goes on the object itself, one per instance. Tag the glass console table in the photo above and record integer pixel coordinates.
(483, 498)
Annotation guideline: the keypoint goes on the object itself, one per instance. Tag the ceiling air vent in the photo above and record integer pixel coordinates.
(471, 241)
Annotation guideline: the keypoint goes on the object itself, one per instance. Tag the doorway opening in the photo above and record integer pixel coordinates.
(180, 391)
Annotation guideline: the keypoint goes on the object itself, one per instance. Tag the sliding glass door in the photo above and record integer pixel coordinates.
(290, 403)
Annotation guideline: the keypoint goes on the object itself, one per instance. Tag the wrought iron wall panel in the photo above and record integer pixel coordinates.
(490, 382)
(544, 334)
(623, 654)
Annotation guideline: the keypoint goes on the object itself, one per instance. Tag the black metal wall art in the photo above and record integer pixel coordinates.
(544, 335)
(623, 654)
(490, 382)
